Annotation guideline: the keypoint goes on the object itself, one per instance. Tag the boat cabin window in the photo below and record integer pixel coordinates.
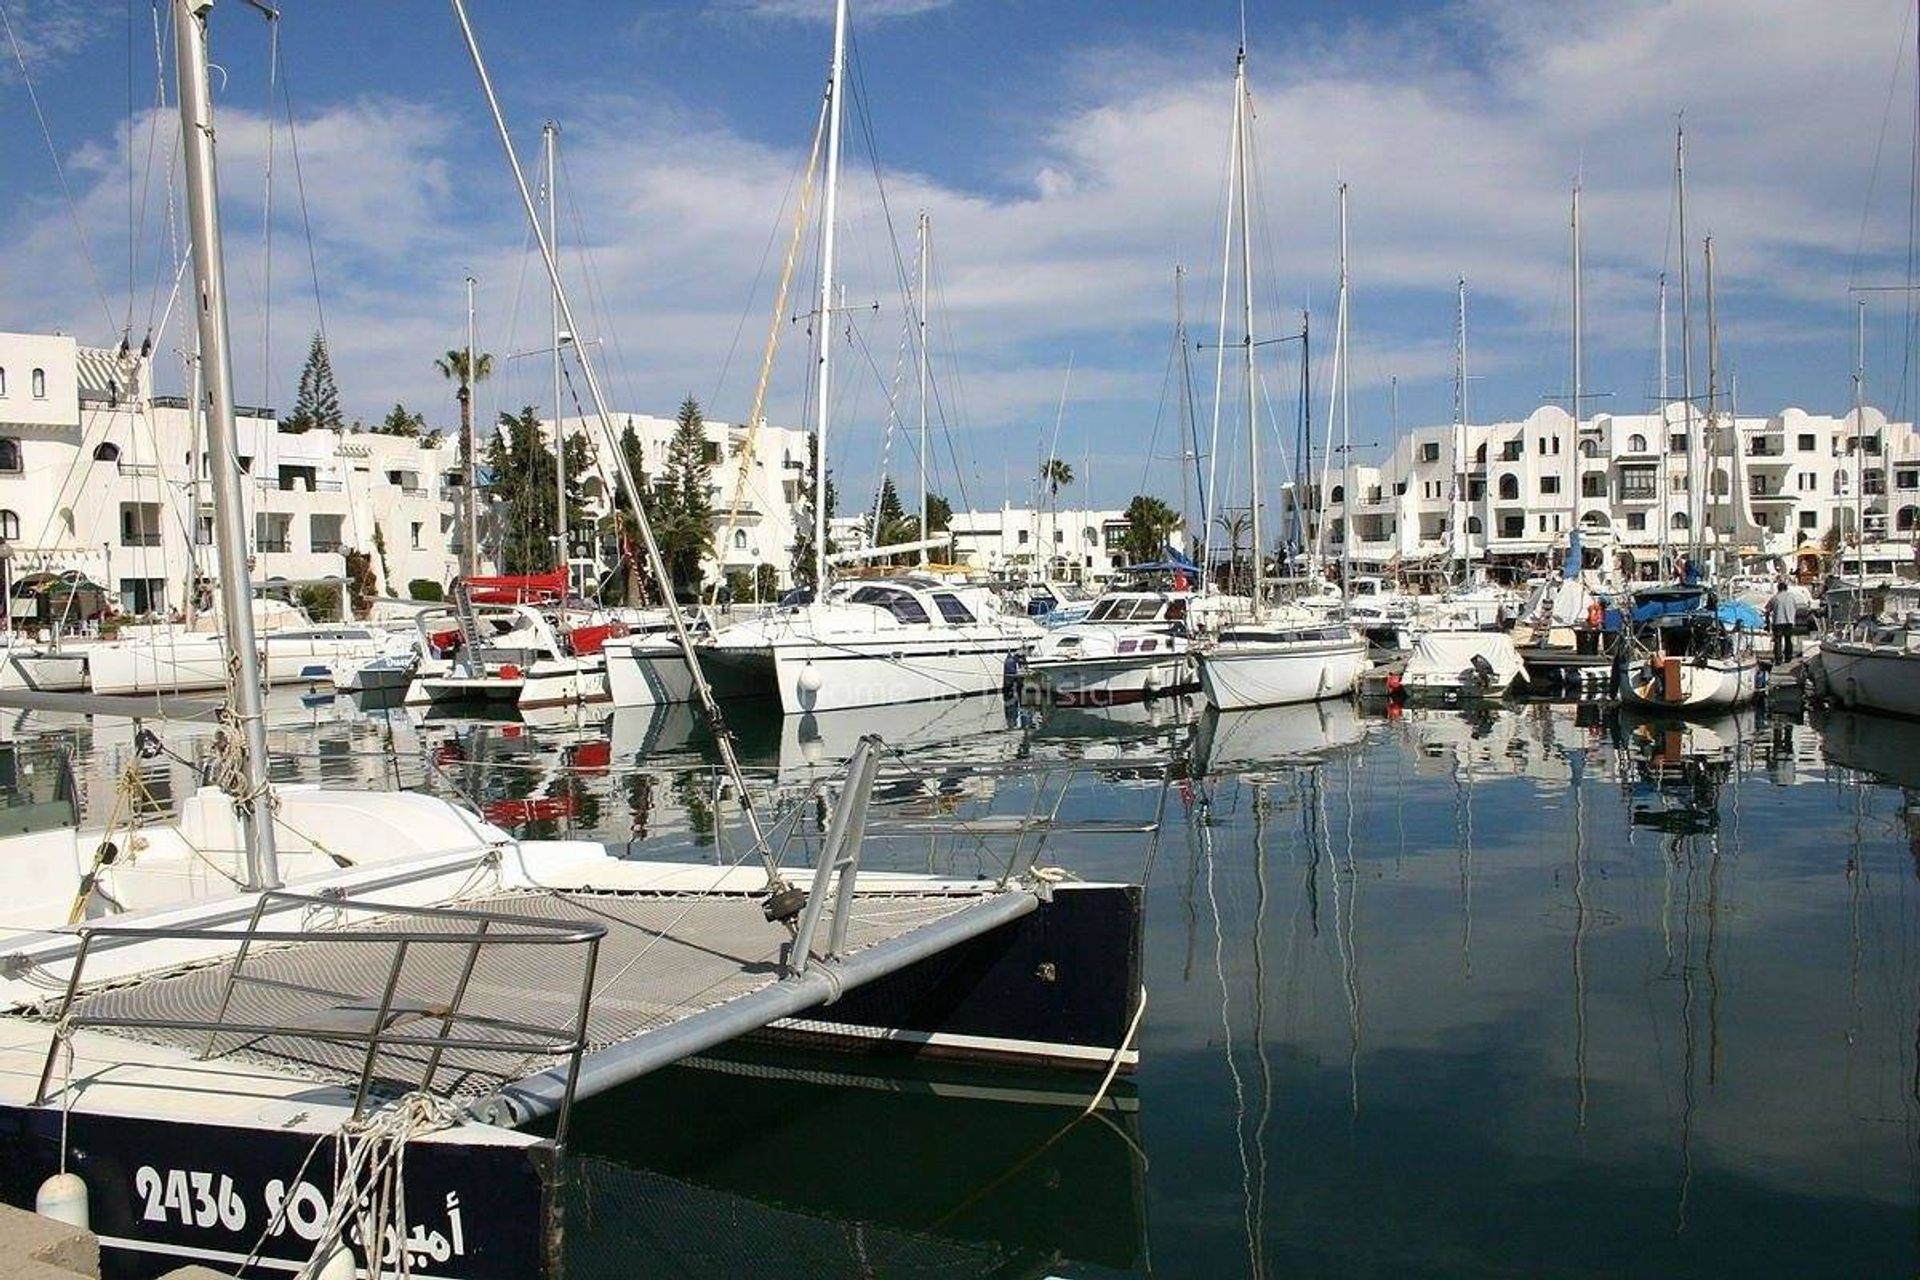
(900, 604)
(1103, 610)
(951, 609)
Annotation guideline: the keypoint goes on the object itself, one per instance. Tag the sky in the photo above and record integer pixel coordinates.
(1069, 156)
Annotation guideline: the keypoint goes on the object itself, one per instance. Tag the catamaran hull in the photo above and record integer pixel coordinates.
(564, 682)
(810, 676)
(1869, 677)
(1105, 682)
(647, 674)
(190, 663)
(1712, 684)
(164, 1193)
(1238, 676)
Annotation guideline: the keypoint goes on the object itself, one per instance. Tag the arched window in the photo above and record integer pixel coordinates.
(9, 525)
(106, 452)
(1474, 525)
(9, 454)
(1595, 520)
(1338, 493)
(1720, 483)
(1509, 486)
(1679, 520)
(1480, 455)
(1091, 536)
(39, 384)
(1636, 444)
(1588, 448)
(740, 539)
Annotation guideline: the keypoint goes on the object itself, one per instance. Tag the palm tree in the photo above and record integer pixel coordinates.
(1235, 525)
(453, 367)
(1055, 473)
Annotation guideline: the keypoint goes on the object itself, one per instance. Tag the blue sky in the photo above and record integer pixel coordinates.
(1069, 154)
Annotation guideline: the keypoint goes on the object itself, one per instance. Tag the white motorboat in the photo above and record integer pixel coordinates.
(1688, 682)
(1462, 663)
(1133, 645)
(887, 640)
(1271, 665)
(507, 654)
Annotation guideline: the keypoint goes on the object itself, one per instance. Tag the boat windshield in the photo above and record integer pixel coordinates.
(952, 609)
(901, 604)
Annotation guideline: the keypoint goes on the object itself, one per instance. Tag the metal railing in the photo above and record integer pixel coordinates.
(471, 930)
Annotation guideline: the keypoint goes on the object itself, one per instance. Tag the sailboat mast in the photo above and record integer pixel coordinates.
(1686, 342)
(1660, 440)
(1226, 282)
(1461, 548)
(551, 133)
(254, 805)
(1859, 446)
(926, 231)
(1712, 433)
(828, 209)
(1347, 503)
(469, 523)
(1246, 314)
(1579, 399)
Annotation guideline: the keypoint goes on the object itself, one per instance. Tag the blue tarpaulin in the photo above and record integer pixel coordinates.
(1743, 616)
(1571, 569)
(1666, 602)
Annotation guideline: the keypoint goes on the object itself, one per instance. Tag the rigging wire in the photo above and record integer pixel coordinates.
(59, 170)
(306, 218)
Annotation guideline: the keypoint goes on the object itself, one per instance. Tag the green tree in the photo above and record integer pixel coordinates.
(362, 585)
(894, 524)
(522, 488)
(682, 513)
(766, 582)
(425, 589)
(634, 582)
(1150, 523)
(803, 574)
(399, 422)
(939, 514)
(316, 405)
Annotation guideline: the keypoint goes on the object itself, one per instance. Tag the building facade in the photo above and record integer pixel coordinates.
(1638, 487)
(1070, 544)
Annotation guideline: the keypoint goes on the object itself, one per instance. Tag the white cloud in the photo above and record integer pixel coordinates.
(1458, 134)
(822, 10)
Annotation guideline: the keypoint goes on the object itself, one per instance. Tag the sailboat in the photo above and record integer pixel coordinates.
(870, 642)
(311, 1031)
(1268, 662)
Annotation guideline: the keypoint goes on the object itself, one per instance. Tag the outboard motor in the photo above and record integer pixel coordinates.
(1480, 675)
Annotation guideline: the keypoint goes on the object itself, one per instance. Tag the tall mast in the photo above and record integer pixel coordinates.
(254, 804)
(550, 133)
(469, 523)
(1180, 342)
(926, 231)
(1226, 281)
(827, 213)
(1347, 503)
(1579, 399)
(1246, 313)
(1660, 440)
(1461, 548)
(1686, 341)
(1859, 446)
(1712, 433)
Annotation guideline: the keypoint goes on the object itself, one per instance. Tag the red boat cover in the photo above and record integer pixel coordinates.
(527, 588)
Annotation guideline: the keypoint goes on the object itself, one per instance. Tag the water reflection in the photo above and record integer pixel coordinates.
(1527, 989)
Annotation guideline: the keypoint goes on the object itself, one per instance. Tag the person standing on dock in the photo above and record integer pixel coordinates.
(1781, 614)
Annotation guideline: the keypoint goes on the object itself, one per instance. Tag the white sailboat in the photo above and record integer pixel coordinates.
(1268, 662)
(900, 639)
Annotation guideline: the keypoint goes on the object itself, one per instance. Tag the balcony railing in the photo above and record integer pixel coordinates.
(273, 545)
(328, 546)
(139, 538)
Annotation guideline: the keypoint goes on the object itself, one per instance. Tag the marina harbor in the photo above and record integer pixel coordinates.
(1102, 641)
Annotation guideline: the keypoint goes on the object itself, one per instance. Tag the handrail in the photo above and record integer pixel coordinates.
(491, 929)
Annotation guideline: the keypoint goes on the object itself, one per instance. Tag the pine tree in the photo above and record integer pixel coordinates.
(522, 490)
(400, 422)
(684, 520)
(316, 407)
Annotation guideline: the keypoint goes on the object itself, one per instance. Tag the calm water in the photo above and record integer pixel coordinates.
(1524, 993)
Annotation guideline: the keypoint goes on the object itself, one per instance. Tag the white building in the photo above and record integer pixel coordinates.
(1077, 545)
(99, 476)
(756, 486)
(1510, 492)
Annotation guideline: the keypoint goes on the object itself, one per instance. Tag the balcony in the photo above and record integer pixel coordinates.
(327, 546)
(273, 546)
(139, 537)
(1758, 492)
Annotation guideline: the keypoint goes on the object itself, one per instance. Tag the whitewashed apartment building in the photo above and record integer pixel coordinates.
(1758, 487)
(97, 475)
(1071, 544)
